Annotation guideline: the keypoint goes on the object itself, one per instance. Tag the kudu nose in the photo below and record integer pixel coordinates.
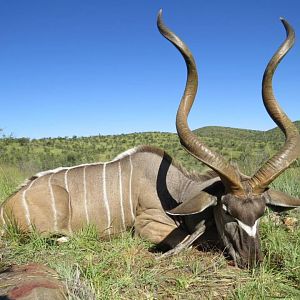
(249, 257)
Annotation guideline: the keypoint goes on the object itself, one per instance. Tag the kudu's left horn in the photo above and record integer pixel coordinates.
(188, 139)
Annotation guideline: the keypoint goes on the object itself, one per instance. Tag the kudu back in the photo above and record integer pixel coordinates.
(143, 188)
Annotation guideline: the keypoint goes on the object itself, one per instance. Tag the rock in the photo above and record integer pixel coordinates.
(30, 282)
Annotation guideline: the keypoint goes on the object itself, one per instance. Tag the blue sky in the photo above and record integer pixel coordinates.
(70, 67)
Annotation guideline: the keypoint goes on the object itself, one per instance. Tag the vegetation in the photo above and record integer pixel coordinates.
(32, 155)
(123, 268)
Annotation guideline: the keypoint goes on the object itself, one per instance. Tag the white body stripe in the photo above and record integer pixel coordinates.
(2, 216)
(29, 182)
(85, 196)
(25, 204)
(130, 189)
(105, 199)
(70, 208)
(121, 195)
(53, 204)
(2, 230)
(250, 230)
(66, 180)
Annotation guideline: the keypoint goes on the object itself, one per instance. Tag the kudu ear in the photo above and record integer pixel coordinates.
(194, 205)
(279, 201)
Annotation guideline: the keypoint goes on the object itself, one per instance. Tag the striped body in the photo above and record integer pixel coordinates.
(70, 198)
(133, 190)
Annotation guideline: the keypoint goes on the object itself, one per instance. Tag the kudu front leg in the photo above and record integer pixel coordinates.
(155, 226)
(185, 243)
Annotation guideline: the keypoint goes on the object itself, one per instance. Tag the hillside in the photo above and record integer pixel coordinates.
(234, 133)
(241, 145)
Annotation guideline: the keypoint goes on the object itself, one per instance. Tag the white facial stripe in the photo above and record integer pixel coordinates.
(251, 231)
(224, 207)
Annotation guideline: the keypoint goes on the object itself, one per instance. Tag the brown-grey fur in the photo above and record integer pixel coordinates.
(157, 185)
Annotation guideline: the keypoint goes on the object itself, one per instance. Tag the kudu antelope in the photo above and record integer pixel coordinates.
(143, 188)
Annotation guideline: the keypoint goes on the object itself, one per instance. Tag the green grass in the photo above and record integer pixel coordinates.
(10, 178)
(122, 267)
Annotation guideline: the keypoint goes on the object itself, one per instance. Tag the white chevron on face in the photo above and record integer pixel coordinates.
(250, 230)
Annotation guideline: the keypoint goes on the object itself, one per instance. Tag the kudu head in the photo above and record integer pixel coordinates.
(238, 208)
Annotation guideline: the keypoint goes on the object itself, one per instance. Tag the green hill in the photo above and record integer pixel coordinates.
(227, 132)
(248, 147)
(274, 134)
